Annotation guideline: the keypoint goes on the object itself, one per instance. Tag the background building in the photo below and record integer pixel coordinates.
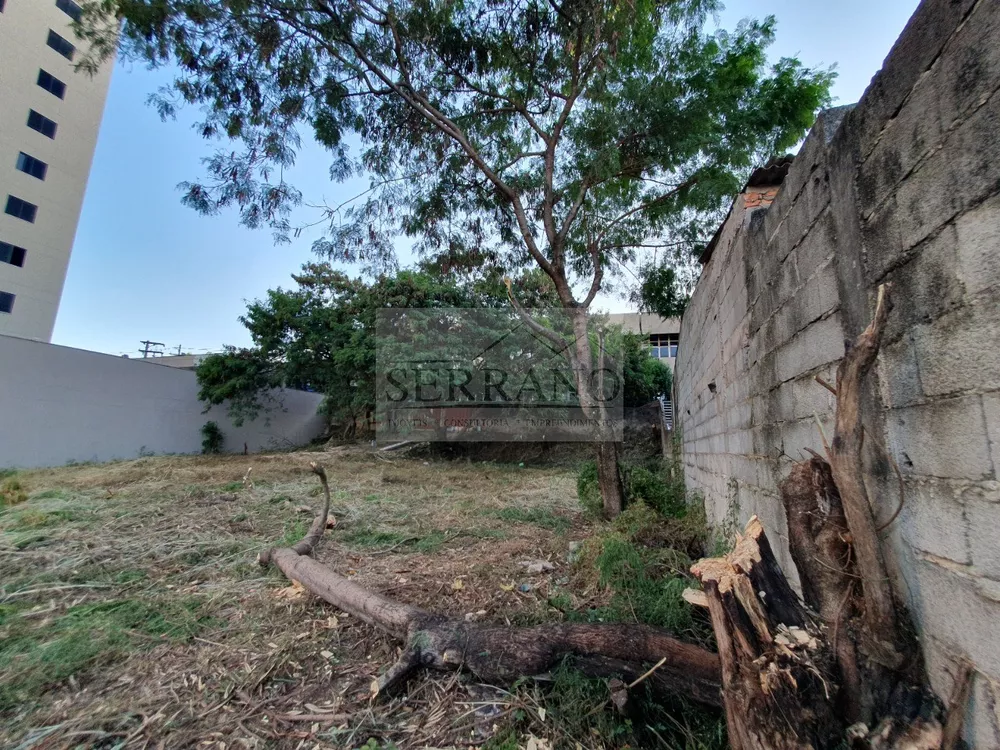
(49, 119)
(663, 333)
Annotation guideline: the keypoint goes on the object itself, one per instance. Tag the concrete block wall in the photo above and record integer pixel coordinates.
(905, 188)
(59, 405)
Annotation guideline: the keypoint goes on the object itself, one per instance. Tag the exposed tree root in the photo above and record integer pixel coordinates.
(496, 654)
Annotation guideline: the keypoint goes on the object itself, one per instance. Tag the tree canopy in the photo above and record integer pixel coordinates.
(575, 135)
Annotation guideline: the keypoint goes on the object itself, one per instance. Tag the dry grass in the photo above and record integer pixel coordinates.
(132, 613)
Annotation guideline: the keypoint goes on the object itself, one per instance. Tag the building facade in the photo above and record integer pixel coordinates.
(49, 119)
(663, 333)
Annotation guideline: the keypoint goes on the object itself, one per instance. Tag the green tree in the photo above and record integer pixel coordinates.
(319, 336)
(569, 134)
(645, 377)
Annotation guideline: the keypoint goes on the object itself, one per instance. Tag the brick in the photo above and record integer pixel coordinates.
(978, 246)
(898, 374)
(984, 537)
(945, 438)
(927, 286)
(934, 521)
(958, 351)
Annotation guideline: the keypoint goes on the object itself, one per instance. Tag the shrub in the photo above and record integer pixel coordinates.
(653, 485)
(11, 491)
(212, 438)
(657, 489)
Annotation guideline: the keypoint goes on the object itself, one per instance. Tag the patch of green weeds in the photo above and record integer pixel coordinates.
(51, 495)
(578, 711)
(293, 532)
(11, 490)
(31, 518)
(537, 516)
(35, 654)
(278, 499)
(232, 487)
(657, 483)
(369, 537)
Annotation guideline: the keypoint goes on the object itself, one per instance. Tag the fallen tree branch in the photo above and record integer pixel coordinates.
(496, 654)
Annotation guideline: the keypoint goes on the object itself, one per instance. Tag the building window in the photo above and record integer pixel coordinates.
(12, 254)
(1, 5)
(21, 209)
(6, 302)
(51, 84)
(663, 345)
(41, 123)
(68, 7)
(31, 165)
(60, 45)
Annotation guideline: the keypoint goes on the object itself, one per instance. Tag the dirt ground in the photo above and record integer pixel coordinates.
(133, 613)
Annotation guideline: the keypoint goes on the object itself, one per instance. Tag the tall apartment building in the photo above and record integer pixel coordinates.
(49, 119)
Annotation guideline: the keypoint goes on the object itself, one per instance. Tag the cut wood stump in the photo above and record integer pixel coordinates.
(777, 669)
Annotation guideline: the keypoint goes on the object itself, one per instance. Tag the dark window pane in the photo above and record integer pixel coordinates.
(41, 123)
(1, 5)
(51, 84)
(6, 302)
(12, 254)
(60, 45)
(21, 209)
(31, 165)
(68, 7)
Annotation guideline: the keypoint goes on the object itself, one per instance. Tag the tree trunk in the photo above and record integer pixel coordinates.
(498, 654)
(795, 680)
(609, 478)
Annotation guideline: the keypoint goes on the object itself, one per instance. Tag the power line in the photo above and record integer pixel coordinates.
(148, 351)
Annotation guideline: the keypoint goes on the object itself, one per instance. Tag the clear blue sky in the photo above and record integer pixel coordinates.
(146, 267)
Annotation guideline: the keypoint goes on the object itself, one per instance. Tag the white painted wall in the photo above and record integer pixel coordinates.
(59, 405)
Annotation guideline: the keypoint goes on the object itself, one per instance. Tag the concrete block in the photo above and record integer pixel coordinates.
(978, 246)
(958, 351)
(926, 286)
(926, 199)
(804, 433)
(970, 69)
(991, 410)
(984, 537)
(973, 152)
(820, 343)
(898, 374)
(934, 521)
(915, 50)
(883, 243)
(950, 608)
(908, 137)
(945, 438)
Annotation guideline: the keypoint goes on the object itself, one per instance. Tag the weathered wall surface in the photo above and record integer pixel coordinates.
(59, 405)
(904, 187)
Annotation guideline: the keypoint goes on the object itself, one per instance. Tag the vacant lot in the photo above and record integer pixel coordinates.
(133, 613)
(132, 610)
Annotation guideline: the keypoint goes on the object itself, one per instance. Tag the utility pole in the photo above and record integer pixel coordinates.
(147, 349)
(178, 350)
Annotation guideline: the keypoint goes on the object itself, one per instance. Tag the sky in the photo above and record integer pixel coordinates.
(145, 267)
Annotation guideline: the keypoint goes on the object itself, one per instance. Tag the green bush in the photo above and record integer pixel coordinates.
(11, 491)
(655, 487)
(212, 438)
